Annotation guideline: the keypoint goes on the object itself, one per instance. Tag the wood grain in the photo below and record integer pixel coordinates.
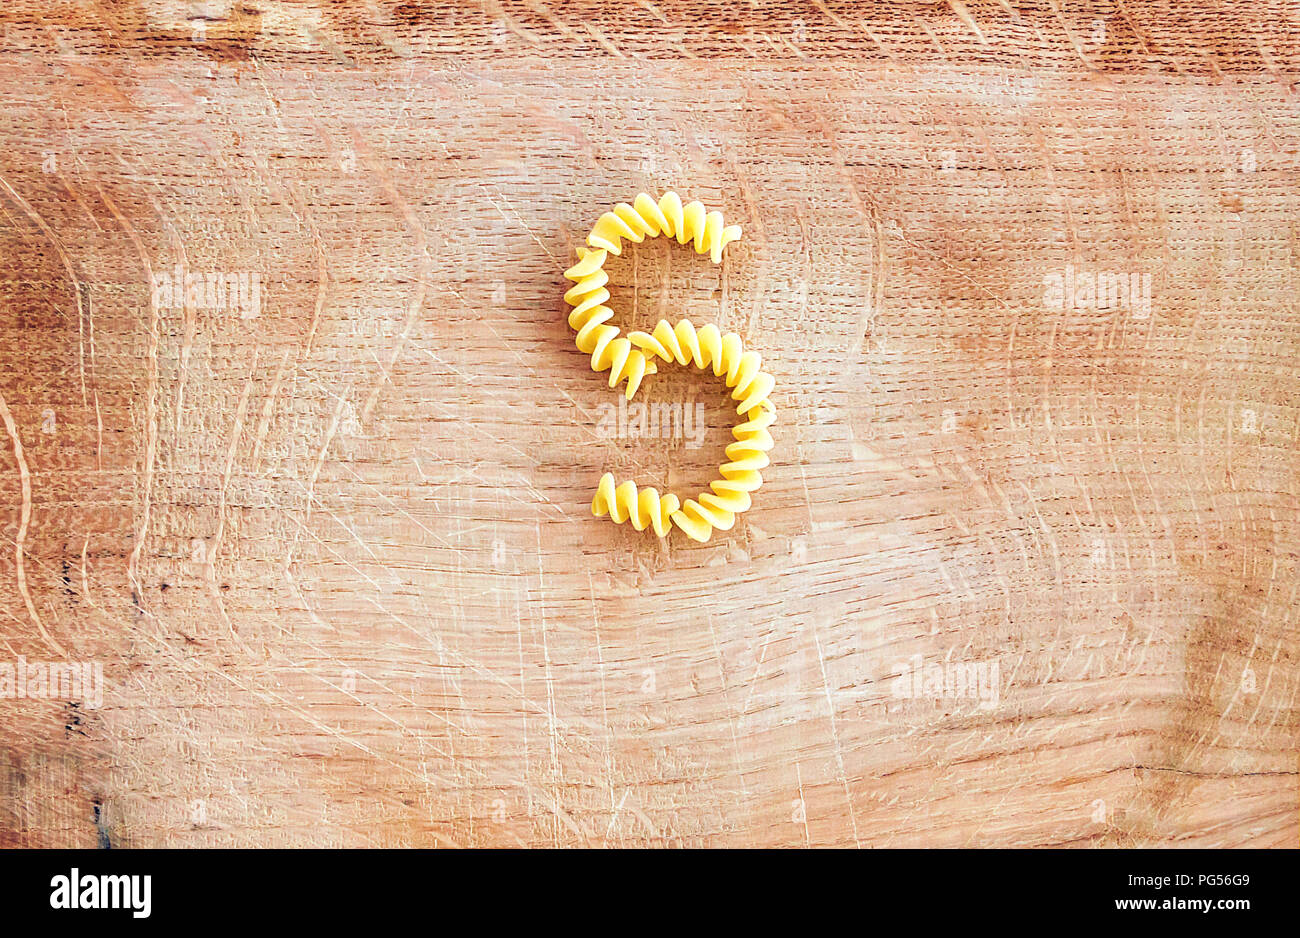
(334, 553)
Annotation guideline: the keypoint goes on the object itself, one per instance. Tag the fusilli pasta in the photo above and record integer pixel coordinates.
(630, 359)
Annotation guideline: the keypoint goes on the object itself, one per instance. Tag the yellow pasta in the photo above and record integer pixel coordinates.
(630, 359)
(708, 348)
(725, 355)
(624, 502)
(730, 495)
(691, 222)
(590, 318)
(741, 476)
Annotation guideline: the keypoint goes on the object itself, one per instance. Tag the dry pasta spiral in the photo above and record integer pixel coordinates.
(708, 348)
(633, 357)
(590, 318)
(730, 495)
(725, 355)
(645, 216)
(644, 507)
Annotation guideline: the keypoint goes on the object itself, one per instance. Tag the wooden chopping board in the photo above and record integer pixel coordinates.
(1025, 274)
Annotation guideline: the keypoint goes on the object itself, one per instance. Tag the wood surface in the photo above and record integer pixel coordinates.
(336, 558)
